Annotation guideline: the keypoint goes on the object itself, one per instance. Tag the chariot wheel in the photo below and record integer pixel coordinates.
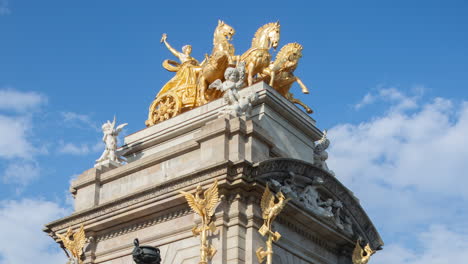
(164, 107)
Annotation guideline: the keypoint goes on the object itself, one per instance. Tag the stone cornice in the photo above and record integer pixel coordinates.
(149, 195)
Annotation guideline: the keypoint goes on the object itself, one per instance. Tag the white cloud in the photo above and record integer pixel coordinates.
(4, 9)
(13, 137)
(438, 244)
(408, 167)
(17, 148)
(20, 101)
(21, 224)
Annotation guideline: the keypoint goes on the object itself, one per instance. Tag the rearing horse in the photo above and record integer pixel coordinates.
(258, 56)
(217, 63)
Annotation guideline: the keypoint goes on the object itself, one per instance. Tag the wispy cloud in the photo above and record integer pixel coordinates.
(4, 8)
(80, 149)
(18, 101)
(21, 172)
(79, 120)
(400, 101)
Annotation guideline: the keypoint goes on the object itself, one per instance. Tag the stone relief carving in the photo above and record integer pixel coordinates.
(320, 153)
(352, 215)
(237, 105)
(312, 200)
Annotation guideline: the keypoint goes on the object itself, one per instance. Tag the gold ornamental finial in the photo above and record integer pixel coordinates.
(362, 255)
(270, 210)
(204, 207)
(74, 243)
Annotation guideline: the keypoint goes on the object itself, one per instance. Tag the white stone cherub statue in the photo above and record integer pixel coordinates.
(320, 153)
(237, 106)
(110, 139)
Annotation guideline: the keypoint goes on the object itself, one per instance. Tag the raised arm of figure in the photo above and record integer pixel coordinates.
(169, 47)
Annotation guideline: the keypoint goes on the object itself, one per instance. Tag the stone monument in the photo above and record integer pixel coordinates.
(207, 177)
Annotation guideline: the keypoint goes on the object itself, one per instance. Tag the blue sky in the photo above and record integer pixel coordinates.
(389, 80)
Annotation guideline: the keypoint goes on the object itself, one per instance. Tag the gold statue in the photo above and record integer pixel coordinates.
(74, 243)
(270, 210)
(360, 255)
(189, 87)
(258, 56)
(280, 73)
(205, 208)
(215, 66)
(178, 94)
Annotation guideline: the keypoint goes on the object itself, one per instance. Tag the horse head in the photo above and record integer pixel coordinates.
(274, 35)
(224, 30)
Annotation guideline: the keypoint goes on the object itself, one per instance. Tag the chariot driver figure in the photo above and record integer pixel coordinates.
(185, 80)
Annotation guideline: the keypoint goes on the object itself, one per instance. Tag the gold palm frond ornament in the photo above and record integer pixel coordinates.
(362, 255)
(270, 210)
(204, 204)
(74, 243)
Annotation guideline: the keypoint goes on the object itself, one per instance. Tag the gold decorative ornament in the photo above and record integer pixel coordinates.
(204, 207)
(280, 75)
(74, 243)
(362, 255)
(270, 210)
(258, 57)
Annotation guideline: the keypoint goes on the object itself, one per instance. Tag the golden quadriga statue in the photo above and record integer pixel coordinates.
(189, 87)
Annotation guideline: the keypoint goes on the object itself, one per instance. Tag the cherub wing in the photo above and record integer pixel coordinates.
(268, 200)
(191, 202)
(120, 127)
(212, 198)
(217, 84)
(79, 238)
(113, 122)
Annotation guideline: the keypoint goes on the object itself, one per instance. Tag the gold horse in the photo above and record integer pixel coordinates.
(258, 57)
(221, 56)
(280, 73)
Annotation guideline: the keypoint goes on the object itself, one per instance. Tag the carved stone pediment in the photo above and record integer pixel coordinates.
(318, 192)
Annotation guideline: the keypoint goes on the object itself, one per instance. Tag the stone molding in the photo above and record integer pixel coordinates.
(144, 224)
(112, 207)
